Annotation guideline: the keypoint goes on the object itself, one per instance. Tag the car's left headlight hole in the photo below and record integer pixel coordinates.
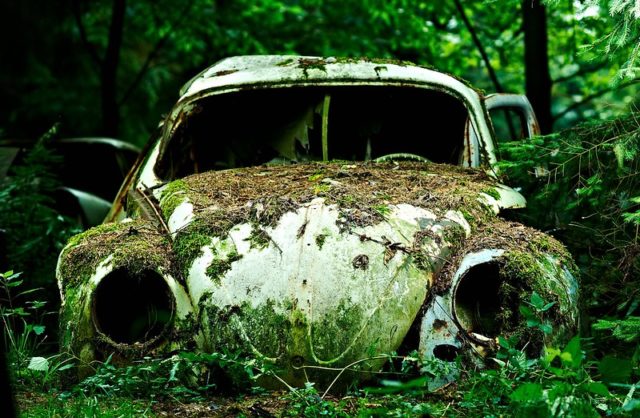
(133, 308)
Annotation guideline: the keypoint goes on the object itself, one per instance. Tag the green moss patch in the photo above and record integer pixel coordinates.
(490, 191)
(174, 194)
(512, 237)
(135, 245)
(333, 334)
(259, 237)
(266, 330)
(188, 245)
(220, 265)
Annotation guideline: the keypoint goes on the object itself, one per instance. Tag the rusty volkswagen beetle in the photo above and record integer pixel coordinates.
(318, 214)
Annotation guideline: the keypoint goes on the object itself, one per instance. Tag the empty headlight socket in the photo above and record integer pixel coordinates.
(476, 302)
(133, 309)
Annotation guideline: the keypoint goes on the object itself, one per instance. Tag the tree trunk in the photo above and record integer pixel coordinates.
(536, 62)
(109, 73)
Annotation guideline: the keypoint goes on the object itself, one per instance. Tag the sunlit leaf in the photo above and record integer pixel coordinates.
(39, 364)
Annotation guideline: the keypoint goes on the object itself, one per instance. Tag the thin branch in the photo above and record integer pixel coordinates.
(476, 41)
(592, 97)
(91, 49)
(152, 55)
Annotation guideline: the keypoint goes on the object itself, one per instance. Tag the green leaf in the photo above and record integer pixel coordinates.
(526, 311)
(618, 150)
(537, 301)
(14, 284)
(546, 328)
(38, 329)
(597, 388)
(550, 354)
(631, 405)
(547, 306)
(66, 367)
(614, 369)
(39, 364)
(572, 353)
(527, 392)
(504, 342)
(533, 323)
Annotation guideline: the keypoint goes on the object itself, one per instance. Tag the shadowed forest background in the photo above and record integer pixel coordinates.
(113, 68)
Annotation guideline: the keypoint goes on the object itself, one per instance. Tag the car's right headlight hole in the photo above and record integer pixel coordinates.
(477, 300)
(130, 309)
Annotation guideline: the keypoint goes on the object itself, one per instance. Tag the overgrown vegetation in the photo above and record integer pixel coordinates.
(581, 185)
(565, 381)
(35, 231)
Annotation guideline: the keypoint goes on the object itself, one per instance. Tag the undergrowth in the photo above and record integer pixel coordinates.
(564, 381)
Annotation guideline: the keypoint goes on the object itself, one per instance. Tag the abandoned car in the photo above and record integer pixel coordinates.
(317, 214)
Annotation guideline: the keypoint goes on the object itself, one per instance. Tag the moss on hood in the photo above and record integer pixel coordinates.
(135, 245)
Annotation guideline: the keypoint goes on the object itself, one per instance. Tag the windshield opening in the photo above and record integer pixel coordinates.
(285, 126)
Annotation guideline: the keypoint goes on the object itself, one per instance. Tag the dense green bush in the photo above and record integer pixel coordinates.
(583, 186)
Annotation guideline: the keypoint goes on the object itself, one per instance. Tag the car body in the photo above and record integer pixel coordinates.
(317, 214)
(90, 172)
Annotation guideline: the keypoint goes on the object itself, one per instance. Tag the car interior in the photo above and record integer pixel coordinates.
(294, 125)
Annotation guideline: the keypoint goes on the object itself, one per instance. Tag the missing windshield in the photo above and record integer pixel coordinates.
(285, 126)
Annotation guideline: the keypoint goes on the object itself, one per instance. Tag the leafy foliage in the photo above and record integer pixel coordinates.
(581, 184)
(183, 376)
(36, 232)
(165, 43)
(24, 335)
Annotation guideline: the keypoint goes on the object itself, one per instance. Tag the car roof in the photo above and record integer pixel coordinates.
(250, 70)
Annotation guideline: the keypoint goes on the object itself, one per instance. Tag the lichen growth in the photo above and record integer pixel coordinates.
(330, 336)
(265, 329)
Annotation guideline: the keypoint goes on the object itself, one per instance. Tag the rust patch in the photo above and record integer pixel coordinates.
(361, 262)
(439, 324)
(224, 72)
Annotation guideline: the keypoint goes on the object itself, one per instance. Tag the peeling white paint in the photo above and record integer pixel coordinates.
(181, 217)
(182, 300)
(105, 267)
(458, 217)
(293, 268)
(509, 198)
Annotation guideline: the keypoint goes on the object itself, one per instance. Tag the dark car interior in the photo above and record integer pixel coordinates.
(285, 126)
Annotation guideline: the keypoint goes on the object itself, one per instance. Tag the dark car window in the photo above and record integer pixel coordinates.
(280, 126)
(94, 167)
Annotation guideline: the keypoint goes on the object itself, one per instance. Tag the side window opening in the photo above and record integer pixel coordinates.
(509, 124)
